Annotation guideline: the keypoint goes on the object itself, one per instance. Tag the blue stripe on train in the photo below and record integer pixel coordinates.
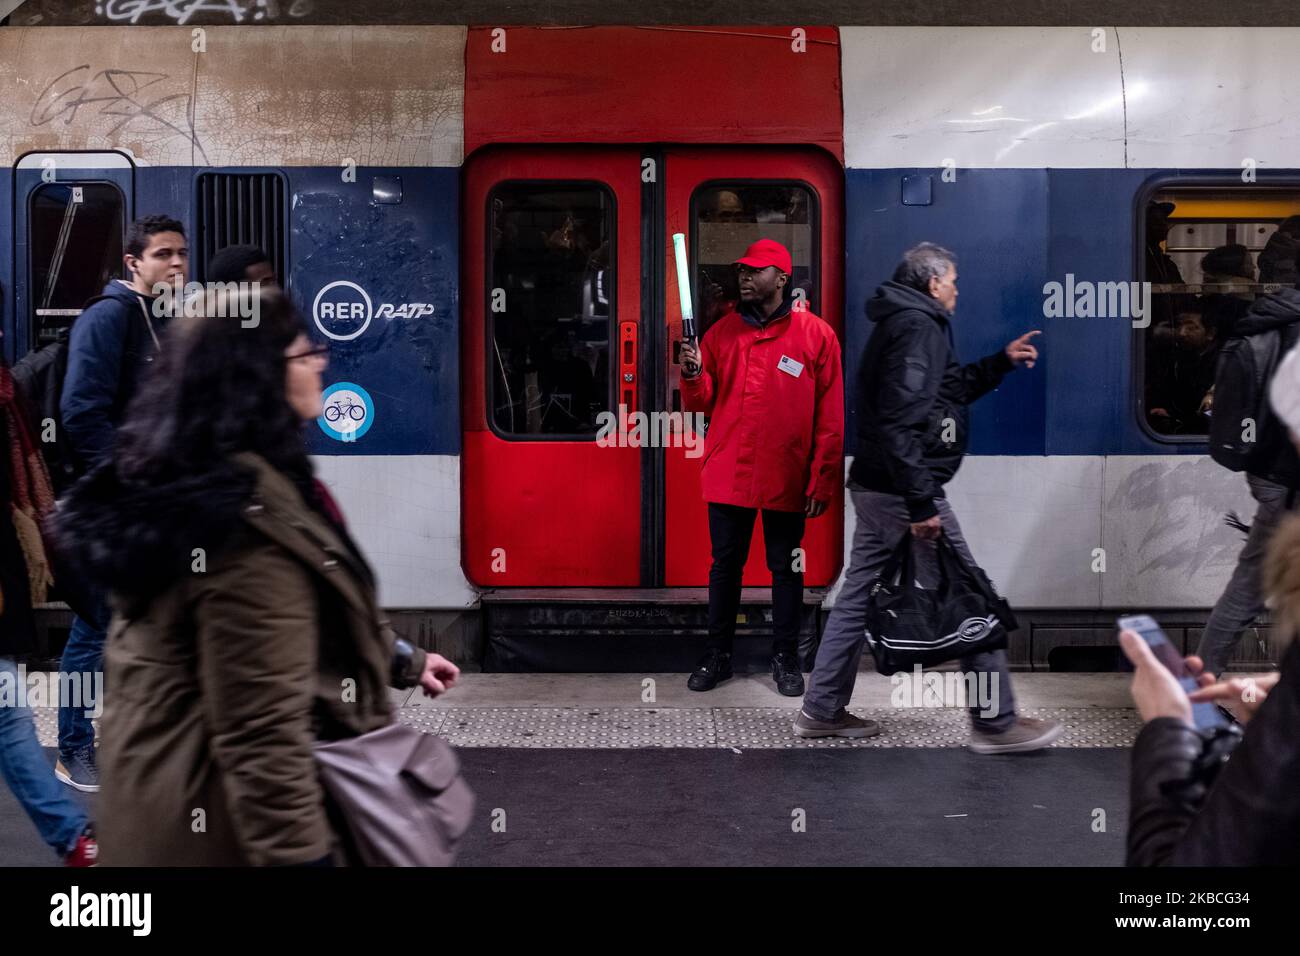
(1014, 230)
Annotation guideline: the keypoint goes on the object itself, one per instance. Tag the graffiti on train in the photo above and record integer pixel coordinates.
(121, 97)
(182, 12)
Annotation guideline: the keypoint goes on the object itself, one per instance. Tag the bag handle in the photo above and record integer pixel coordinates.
(951, 565)
(901, 563)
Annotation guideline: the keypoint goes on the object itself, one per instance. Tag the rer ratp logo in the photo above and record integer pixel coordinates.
(343, 310)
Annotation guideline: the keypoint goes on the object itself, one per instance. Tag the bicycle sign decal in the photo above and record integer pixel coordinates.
(349, 412)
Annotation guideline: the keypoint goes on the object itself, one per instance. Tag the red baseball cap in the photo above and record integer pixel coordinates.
(767, 252)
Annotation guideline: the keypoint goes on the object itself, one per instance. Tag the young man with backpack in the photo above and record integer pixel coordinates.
(1246, 436)
(111, 344)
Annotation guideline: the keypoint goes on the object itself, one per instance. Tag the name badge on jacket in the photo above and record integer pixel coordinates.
(790, 366)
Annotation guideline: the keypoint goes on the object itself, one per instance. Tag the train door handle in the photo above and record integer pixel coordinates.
(627, 357)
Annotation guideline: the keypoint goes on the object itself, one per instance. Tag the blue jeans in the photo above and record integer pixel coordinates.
(58, 817)
(84, 653)
(882, 520)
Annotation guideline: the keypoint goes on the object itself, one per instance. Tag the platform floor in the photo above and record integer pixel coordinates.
(636, 770)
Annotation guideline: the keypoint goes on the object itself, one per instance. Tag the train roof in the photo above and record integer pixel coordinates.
(1186, 13)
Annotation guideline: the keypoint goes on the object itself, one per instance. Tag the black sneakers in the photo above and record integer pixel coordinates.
(713, 667)
(79, 771)
(787, 674)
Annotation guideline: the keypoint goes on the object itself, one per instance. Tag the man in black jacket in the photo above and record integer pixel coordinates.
(1272, 480)
(911, 436)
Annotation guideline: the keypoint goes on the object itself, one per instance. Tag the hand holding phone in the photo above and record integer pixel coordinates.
(1163, 692)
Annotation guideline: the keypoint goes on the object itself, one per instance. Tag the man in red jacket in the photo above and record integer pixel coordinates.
(769, 377)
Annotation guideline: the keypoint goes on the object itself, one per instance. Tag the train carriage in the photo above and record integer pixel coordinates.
(479, 220)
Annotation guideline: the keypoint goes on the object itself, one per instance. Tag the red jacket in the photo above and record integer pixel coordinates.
(776, 397)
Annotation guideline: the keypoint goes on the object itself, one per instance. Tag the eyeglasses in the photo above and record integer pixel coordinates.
(323, 351)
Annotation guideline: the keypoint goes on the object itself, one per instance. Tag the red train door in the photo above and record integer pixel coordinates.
(552, 306)
(723, 200)
(571, 316)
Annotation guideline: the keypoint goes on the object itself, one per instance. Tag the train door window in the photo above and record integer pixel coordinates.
(728, 217)
(76, 234)
(1210, 252)
(551, 281)
(240, 209)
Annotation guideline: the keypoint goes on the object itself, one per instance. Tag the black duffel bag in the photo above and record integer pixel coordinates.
(908, 624)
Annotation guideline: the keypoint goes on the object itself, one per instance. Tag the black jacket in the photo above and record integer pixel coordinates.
(1250, 815)
(110, 346)
(1276, 459)
(912, 397)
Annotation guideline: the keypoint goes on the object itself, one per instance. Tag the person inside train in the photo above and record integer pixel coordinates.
(1227, 266)
(908, 380)
(770, 378)
(1230, 265)
(247, 622)
(565, 388)
(1160, 267)
(1179, 403)
(1277, 260)
(112, 343)
(1273, 479)
(725, 206)
(718, 295)
(26, 499)
(1189, 804)
(1161, 337)
(242, 263)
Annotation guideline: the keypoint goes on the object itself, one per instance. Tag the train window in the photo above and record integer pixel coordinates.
(729, 216)
(76, 248)
(1210, 252)
(551, 307)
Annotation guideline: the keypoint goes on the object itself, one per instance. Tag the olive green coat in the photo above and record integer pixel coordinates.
(217, 688)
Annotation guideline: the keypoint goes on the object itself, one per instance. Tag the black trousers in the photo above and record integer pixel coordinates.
(731, 529)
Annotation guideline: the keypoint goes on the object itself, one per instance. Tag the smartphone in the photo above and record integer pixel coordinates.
(1204, 716)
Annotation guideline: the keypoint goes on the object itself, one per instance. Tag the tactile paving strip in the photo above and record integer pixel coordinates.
(742, 728)
(750, 727)
(582, 727)
(47, 725)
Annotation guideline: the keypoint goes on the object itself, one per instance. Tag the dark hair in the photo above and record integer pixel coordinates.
(231, 264)
(217, 389)
(138, 235)
(1234, 259)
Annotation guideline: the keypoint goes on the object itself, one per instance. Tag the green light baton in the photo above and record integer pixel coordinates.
(684, 292)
